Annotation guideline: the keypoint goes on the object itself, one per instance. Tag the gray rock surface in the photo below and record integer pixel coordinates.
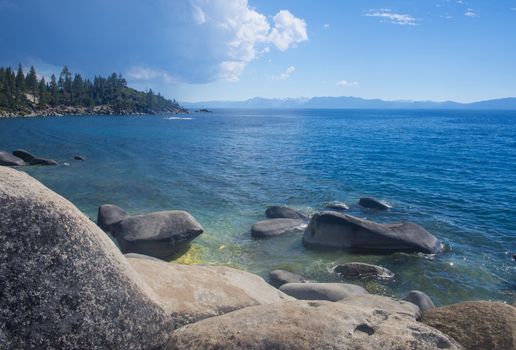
(310, 325)
(161, 234)
(420, 299)
(321, 291)
(79, 158)
(282, 212)
(190, 293)
(8, 159)
(357, 270)
(31, 159)
(108, 215)
(64, 284)
(337, 206)
(373, 203)
(388, 304)
(276, 227)
(476, 324)
(339, 231)
(280, 277)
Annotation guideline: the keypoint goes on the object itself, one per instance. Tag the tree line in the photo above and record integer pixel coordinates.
(20, 91)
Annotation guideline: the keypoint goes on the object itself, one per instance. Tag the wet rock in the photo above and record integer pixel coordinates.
(108, 215)
(373, 203)
(276, 227)
(33, 160)
(64, 284)
(339, 231)
(321, 291)
(280, 277)
(162, 234)
(79, 158)
(420, 299)
(357, 270)
(388, 304)
(281, 212)
(8, 159)
(190, 293)
(304, 325)
(337, 206)
(476, 324)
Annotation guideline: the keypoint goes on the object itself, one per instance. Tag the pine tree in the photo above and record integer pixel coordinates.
(54, 91)
(42, 93)
(31, 82)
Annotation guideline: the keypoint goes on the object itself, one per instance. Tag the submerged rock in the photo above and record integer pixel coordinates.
(337, 206)
(305, 325)
(31, 159)
(340, 231)
(108, 215)
(190, 293)
(281, 277)
(476, 324)
(281, 212)
(79, 158)
(373, 203)
(64, 284)
(161, 234)
(8, 159)
(420, 299)
(388, 304)
(321, 291)
(276, 227)
(362, 270)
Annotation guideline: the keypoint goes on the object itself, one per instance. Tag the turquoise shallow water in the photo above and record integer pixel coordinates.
(453, 172)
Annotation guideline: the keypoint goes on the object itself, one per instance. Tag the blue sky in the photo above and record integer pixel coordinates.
(198, 50)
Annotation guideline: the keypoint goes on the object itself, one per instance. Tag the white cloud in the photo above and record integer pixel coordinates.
(141, 73)
(396, 18)
(288, 30)
(470, 13)
(345, 83)
(286, 74)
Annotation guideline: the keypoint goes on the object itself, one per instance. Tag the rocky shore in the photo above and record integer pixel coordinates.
(70, 110)
(65, 284)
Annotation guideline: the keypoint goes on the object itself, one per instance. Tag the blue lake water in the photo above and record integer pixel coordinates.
(453, 172)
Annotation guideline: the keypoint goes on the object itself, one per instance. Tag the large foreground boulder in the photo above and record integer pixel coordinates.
(310, 325)
(420, 299)
(358, 270)
(108, 215)
(322, 291)
(8, 159)
(476, 325)
(31, 159)
(161, 234)
(280, 277)
(339, 231)
(276, 227)
(388, 304)
(64, 284)
(190, 293)
(281, 212)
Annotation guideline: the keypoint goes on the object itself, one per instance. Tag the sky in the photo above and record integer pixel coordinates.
(202, 50)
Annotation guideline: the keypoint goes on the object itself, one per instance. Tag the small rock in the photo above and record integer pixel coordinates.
(373, 203)
(108, 215)
(281, 277)
(79, 158)
(31, 159)
(420, 299)
(276, 227)
(363, 270)
(321, 291)
(337, 206)
(8, 159)
(281, 212)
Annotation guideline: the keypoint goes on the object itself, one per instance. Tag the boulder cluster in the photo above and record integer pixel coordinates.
(66, 285)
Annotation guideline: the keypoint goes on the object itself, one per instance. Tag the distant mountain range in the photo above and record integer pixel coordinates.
(353, 102)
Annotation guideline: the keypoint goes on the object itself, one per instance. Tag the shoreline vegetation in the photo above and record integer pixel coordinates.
(28, 95)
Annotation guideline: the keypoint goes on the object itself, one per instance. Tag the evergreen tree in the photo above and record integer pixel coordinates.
(31, 82)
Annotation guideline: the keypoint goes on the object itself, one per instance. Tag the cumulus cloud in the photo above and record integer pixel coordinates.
(470, 13)
(288, 30)
(345, 83)
(286, 74)
(392, 17)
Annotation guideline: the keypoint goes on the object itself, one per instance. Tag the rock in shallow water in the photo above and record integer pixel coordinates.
(304, 325)
(108, 215)
(276, 227)
(338, 231)
(31, 159)
(373, 203)
(7, 159)
(420, 299)
(281, 212)
(64, 284)
(161, 234)
(281, 277)
(321, 291)
(476, 324)
(356, 270)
